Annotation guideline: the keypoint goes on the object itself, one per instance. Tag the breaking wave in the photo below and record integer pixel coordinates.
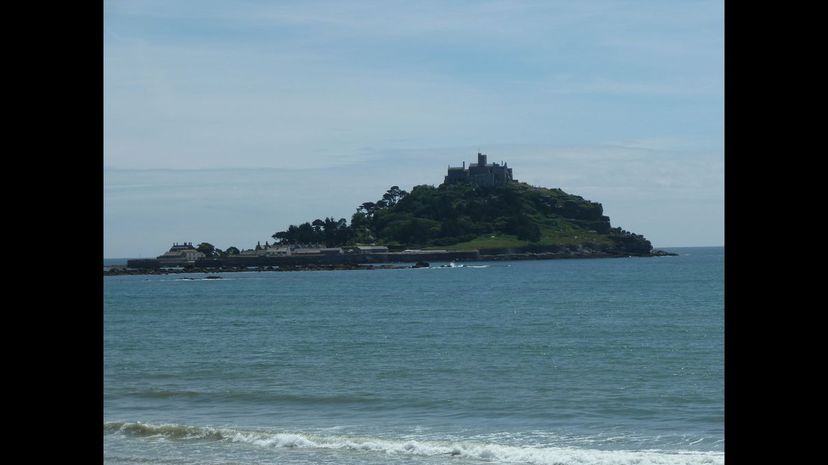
(473, 450)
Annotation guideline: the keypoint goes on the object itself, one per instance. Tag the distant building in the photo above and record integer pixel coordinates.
(180, 254)
(480, 173)
(275, 251)
(369, 249)
(318, 251)
(267, 251)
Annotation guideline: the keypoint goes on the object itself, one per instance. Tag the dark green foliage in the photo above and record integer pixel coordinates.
(360, 228)
(330, 232)
(524, 228)
(630, 241)
(460, 212)
(457, 213)
(336, 233)
(407, 230)
(302, 234)
(207, 249)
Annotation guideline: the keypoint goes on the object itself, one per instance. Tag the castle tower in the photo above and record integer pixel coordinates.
(481, 159)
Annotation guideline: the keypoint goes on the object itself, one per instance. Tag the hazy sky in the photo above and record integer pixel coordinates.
(225, 121)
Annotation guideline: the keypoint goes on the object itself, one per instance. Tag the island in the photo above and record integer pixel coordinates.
(479, 212)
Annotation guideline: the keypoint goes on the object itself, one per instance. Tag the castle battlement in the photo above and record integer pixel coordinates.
(480, 173)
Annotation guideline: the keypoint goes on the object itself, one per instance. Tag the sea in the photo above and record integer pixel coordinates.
(555, 362)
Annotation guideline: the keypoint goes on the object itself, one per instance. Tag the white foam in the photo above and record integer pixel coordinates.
(485, 451)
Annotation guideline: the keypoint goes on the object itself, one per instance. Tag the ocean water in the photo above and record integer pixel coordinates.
(590, 361)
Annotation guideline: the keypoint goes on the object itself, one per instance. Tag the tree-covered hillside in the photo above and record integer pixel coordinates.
(467, 216)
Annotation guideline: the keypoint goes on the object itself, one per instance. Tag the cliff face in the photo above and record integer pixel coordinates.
(515, 216)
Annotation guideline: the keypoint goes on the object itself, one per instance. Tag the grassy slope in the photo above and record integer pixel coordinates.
(570, 236)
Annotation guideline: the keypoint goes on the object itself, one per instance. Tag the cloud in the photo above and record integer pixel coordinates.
(294, 74)
(622, 101)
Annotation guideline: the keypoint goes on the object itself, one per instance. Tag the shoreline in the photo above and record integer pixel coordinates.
(121, 271)
(118, 270)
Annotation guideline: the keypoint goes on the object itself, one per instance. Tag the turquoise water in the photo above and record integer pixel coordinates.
(600, 361)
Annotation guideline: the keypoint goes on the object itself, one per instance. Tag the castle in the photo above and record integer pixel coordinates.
(480, 173)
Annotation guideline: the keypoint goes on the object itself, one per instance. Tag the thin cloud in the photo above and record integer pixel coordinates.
(584, 95)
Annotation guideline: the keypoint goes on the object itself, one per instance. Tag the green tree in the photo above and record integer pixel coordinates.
(318, 225)
(360, 232)
(368, 208)
(207, 249)
(305, 234)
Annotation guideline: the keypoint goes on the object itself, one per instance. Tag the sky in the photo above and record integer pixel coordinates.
(226, 121)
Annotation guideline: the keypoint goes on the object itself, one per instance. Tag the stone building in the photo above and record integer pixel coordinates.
(318, 251)
(267, 251)
(480, 173)
(369, 249)
(180, 254)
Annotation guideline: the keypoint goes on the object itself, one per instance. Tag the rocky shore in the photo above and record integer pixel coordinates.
(122, 270)
(587, 253)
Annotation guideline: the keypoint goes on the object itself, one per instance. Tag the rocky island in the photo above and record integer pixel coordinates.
(479, 212)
